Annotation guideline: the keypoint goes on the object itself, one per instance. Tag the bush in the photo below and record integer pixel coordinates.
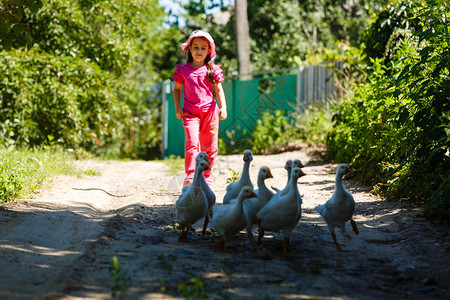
(86, 81)
(273, 133)
(396, 129)
(68, 101)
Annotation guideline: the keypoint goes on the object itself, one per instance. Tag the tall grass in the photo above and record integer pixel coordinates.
(313, 122)
(23, 171)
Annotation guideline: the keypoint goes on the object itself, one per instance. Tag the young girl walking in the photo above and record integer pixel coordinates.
(200, 113)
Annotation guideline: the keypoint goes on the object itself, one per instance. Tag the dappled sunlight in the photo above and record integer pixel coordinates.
(142, 232)
(377, 225)
(311, 297)
(39, 250)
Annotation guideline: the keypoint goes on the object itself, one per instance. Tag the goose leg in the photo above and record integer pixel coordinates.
(220, 245)
(183, 236)
(260, 232)
(189, 227)
(205, 224)
(227, 243)
(185, 227)
(355, 229)
(338, 246)
(250, 237)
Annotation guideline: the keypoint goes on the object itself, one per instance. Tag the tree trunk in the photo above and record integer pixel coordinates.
(243, 40)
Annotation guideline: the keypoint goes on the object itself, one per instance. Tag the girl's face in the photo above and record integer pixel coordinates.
(199, 49)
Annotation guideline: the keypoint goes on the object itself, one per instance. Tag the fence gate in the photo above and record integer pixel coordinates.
(246, 102)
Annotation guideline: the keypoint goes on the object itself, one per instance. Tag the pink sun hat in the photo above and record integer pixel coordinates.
(200, 33)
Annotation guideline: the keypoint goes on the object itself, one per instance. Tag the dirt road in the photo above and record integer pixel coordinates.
(60, 244)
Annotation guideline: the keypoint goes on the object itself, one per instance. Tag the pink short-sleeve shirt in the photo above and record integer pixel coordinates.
(198, 91)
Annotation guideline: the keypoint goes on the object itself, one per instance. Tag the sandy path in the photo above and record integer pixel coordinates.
(60, 244)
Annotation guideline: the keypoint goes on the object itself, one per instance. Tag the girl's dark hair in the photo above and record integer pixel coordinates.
(209, 65)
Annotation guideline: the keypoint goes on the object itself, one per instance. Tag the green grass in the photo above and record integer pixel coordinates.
(23, 171)
(175, 164)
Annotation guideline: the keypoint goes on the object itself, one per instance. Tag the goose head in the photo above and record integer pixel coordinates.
(203, 166)
(265, 172)
(247, 192)
(343, 169)
(296, 163)
(202, 156)
(288, 165)
(248, 156)
(297, 173)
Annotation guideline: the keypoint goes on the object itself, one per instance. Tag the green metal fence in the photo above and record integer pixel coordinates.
(247, 101)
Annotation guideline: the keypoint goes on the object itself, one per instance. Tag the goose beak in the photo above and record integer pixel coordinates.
(269, 175)
(299, 164)
(253, 194)
(302, 173)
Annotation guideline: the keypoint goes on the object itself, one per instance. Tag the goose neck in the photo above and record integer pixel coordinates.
(245, 169)
(339, 186)
(197, 174)
(293, 183)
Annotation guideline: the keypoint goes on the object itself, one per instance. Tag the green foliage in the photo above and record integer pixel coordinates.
(193, 289)
(121, 279)
(13, 25)
(234, 176)
(59, 100)
(175, 164)
(86, 83)
(314, 122)
(22, 171)
(282, 32)
(398, 15)
(273, 132)
(235, 141)
(396, 129)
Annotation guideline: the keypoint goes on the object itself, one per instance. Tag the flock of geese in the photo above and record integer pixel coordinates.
(244, 207)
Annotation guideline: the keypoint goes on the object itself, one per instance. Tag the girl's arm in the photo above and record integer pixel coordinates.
(177, 99)
(222, 102)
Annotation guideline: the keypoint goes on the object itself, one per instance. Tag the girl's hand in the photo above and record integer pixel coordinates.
(222, 113)
(179, 113)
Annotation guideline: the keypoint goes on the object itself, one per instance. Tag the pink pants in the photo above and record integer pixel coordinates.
(201, 130)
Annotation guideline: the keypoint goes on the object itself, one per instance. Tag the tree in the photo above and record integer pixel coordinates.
(13, 27)
(243, 40)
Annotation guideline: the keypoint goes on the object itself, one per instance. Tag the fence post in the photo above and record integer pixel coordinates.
(165, 130)
(299, 86)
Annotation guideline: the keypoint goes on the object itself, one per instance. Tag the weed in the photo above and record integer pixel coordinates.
(175, 225)
(166, 265)
(91, 172)
(194, 288)
(223, 296)
(224, 260)
(121, 279)
(234, 177)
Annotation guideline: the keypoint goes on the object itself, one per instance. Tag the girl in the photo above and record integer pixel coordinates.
(200, 113)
